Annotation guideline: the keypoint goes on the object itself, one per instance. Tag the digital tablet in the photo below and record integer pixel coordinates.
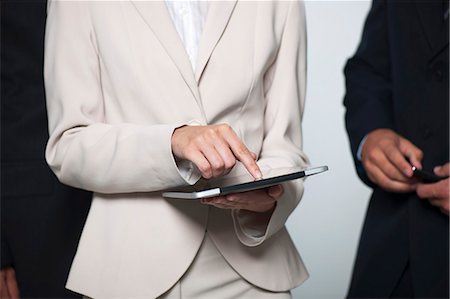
(244, 183)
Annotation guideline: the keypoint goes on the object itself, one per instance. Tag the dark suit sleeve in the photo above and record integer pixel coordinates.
(368, 99)
(6, 258)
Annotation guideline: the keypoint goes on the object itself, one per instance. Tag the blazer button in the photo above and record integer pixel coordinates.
(426, 133)
(438, 74)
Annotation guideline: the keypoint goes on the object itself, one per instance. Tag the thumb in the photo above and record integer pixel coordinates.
(275, 191)
(443, 170)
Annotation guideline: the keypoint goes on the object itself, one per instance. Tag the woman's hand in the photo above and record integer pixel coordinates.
(214, 149)
(261, 200)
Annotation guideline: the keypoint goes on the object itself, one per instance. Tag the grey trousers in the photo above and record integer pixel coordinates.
(211, 277)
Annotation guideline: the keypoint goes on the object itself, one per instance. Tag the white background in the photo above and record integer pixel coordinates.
(326, 225)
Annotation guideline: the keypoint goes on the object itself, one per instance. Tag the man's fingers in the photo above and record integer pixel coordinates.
(11, 283)
(3, 286)
(397, 159)
(4, 293)
(442, 204)
(388, 152)
(386, 161)
(426, 191)
(443, 170)
(8, 284)
(439, 190)
(444, 211)
(379, 178)
(412, 152)
(437, 194)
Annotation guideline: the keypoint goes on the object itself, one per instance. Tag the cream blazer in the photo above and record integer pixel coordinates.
(118, 82)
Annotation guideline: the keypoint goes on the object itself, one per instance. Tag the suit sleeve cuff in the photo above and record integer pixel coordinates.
(187, 170)
(251, 227)
(360, 147)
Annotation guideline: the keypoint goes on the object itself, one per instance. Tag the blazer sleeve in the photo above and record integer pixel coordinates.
(368, 99)
(285, 83)
(84, 150)
(6, 256)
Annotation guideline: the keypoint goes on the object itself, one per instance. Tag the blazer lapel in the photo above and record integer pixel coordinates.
(157, 17)
(442, 41)
(219, 14)
(435, 27)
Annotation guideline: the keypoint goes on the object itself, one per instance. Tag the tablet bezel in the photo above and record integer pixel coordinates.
(244, 187)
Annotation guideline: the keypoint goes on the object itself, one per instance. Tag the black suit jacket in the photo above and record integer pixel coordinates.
(399, 79)
(41, 219)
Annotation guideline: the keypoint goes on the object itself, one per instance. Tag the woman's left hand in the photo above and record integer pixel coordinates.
(262, 200)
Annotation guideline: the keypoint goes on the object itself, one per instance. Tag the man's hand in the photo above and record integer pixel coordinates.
(8, 284)
(214, 149)
(438, 194)
(261, 200)
(384, 157)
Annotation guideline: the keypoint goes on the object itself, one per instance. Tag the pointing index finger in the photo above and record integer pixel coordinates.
(243, 154)
(249, 163)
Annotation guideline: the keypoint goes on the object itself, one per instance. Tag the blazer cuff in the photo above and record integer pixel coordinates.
(284, 206)
(187, 170)
(251, 227)
(360, 147)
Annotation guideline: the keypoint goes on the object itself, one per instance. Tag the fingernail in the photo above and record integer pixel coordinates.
(258, 174)
(437, 169)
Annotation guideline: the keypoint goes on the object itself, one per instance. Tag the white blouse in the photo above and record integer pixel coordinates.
(189, 18)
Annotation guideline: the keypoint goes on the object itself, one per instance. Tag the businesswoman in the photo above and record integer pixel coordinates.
(144, 96)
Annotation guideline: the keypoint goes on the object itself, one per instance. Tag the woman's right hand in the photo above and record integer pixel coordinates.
(214, 149)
